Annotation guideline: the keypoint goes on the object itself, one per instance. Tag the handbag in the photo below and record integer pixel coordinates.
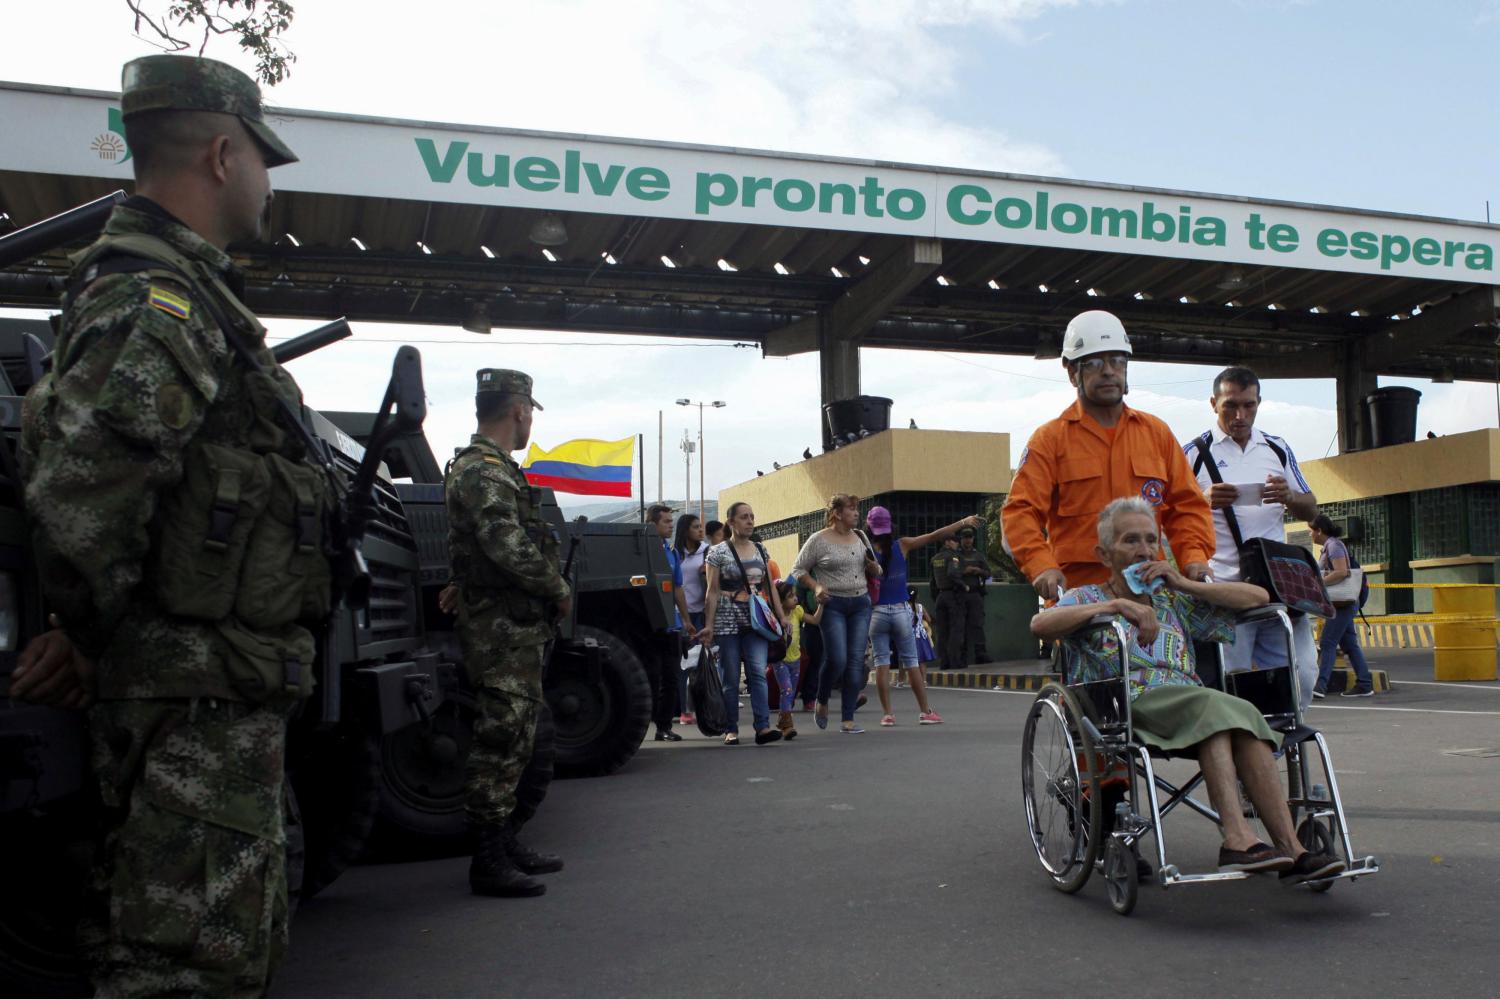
(763, 621)
(1345, 593)
(706, 692)
(1289, 573)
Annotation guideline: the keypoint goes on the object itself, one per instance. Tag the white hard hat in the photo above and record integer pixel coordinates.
(1094, 332)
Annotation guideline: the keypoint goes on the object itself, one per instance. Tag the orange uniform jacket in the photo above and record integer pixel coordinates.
(1071, 470)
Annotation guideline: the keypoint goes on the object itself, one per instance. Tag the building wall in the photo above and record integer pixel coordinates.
(1454, 460)
(947, 461)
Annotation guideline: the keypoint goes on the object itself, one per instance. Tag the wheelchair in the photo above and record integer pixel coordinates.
(1078, 749)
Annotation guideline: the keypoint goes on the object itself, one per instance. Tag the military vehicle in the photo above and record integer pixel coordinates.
(377, 751)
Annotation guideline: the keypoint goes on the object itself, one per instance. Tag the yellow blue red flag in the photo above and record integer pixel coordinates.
(585, 467)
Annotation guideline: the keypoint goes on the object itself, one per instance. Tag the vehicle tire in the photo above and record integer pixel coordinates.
(600, 726)
(421, 809)
(44, 869)
(422, 779)
(337, 783)
(1060, 788)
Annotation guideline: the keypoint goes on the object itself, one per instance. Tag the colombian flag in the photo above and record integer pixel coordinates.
(584, 467)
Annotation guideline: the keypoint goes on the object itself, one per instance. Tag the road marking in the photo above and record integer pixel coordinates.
(1320, 707)
(1493, 688)
(1419, 711)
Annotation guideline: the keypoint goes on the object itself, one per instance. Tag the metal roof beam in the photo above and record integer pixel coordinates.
(864, 303)
(1404, 340)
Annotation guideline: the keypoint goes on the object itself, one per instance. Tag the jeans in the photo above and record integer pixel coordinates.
(752, 649)
(682, 696)
(890, 630)
(846, 631)
(788, 673)
(1263, 644)
(1338, 633)
(812, 656)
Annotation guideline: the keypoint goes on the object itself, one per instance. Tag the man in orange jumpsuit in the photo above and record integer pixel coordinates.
(1098, 450)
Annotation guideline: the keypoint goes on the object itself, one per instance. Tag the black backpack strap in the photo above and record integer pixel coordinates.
(1279, 452)
(1206, 460)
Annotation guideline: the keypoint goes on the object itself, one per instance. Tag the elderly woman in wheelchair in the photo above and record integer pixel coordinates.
(1087, 737)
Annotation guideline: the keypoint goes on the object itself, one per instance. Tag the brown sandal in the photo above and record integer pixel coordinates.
(731, 739)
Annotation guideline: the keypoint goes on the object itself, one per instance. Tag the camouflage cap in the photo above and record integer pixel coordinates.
(504, 380)
(188, 83)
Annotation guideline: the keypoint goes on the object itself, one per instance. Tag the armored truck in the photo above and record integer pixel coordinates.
(377, 752)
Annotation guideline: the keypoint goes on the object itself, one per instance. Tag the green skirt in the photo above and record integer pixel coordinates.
(1175, 717)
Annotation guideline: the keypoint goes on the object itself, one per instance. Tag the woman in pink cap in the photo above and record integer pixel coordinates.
(890, 621)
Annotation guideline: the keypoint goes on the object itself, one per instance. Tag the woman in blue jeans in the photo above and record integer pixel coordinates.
(1340, 632)
(735, 567)
(837, 562)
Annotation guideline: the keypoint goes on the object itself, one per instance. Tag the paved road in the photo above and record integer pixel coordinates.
(896, 864)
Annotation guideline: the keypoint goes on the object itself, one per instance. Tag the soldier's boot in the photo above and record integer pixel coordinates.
(492, 872)
(527, 860)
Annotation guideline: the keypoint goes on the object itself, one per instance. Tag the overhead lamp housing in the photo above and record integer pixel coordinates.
(548, 231)
(478, 319)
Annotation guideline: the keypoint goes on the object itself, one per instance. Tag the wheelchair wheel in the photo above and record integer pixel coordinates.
(1315, 835)
(1120, 875)
(1060, 786)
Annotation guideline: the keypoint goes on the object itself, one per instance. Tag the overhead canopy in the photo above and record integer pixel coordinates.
(418, 222)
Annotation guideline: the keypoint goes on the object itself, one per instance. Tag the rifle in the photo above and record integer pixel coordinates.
(65, 227)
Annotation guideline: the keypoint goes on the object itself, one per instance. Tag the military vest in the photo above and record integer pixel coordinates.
(942, 564)
(485, 590)
(238, 542)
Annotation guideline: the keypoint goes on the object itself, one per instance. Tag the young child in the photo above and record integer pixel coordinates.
(788, 672)
(921, 629)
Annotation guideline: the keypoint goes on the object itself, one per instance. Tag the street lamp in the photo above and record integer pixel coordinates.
(702, 454)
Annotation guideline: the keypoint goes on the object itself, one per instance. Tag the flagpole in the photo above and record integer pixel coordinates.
(640, 449)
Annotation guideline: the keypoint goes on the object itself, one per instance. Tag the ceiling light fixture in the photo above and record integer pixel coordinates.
(548, 231)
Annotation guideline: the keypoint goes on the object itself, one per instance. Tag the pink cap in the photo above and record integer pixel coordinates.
(878, 520)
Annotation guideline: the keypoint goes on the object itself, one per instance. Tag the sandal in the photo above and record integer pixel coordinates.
(731, 739)
(822, 716)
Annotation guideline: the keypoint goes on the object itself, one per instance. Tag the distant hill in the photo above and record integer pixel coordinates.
(619, 512)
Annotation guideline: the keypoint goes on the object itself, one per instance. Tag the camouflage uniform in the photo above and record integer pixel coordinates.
(973, 598)
(505, 562)
(166, 499)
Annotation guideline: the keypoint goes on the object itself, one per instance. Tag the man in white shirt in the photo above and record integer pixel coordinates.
(1245, 457)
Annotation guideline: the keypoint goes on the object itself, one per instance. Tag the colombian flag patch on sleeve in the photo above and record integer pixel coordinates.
(169, 302)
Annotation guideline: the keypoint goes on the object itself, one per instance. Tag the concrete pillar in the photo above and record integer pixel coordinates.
(1355, 381)
(838, 368)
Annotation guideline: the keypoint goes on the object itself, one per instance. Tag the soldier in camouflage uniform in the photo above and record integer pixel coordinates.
(510, 595)
(950, 634)
(178, 528)
(973, 569)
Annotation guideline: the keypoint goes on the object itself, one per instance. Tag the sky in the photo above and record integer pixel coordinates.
(1374, 104)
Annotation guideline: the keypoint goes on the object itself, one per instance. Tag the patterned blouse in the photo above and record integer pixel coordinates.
(1169, 660)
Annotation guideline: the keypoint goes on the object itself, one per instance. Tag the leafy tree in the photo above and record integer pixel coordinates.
(258, 25)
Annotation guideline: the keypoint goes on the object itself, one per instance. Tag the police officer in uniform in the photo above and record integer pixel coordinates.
(510, 596)
(949, 605)
(177, 526)
(973, 570)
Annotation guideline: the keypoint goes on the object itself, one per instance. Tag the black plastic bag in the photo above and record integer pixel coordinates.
(706, 694)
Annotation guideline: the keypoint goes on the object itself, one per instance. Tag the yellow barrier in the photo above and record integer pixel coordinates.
(1463, 627)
